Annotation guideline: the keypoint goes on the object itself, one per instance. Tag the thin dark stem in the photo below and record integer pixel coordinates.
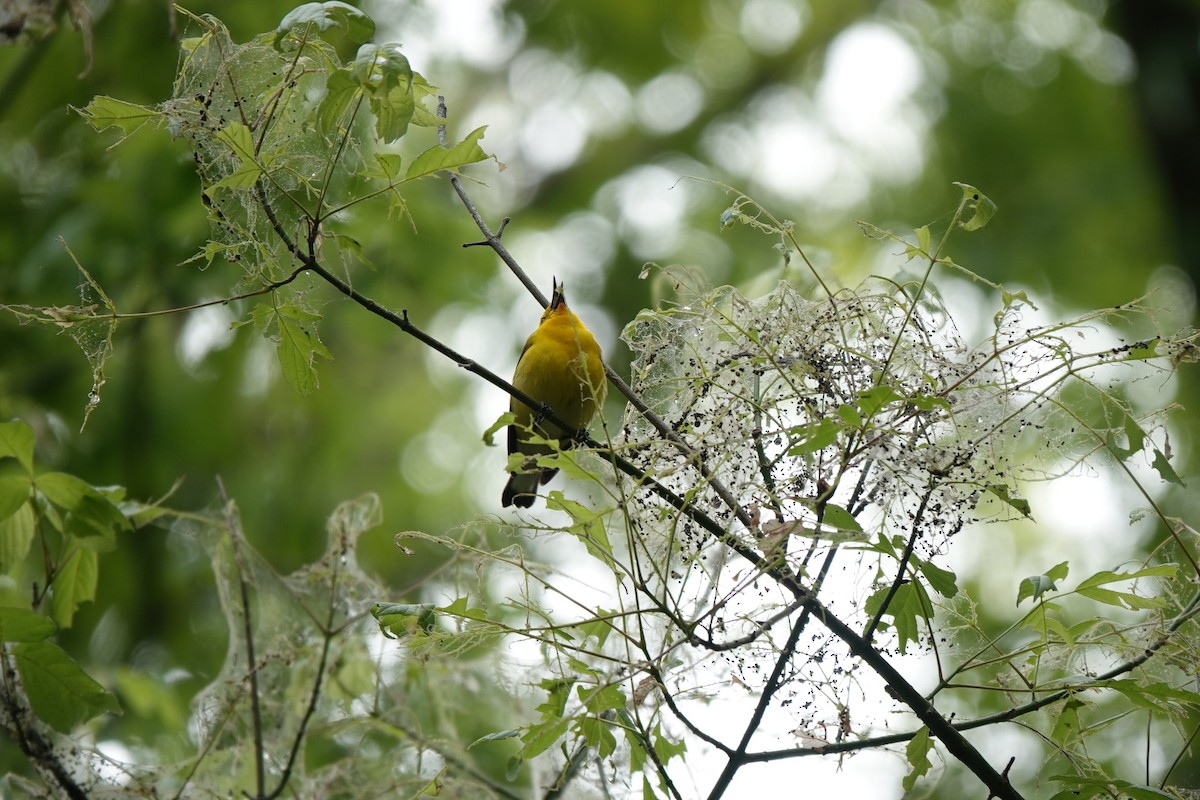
(454, 757)
(567, 774)
(759, 629)
(1007, 715)
(774, 683)
(669, 699)
(492, 239)
(20, 724)
(235, 536)
(764, 464)
(1183, 751)
(737, 758)
(902, 569)
(652, 754)
(315, 694)
(1146, 759)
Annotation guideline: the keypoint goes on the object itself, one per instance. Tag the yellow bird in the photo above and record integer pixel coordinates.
(561, 366)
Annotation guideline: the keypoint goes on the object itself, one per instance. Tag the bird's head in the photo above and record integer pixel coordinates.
(558, 302)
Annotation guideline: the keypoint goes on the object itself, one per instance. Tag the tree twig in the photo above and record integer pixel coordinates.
(902, 568)
(235, 536)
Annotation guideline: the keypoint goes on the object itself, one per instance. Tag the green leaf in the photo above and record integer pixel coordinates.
(1084, 788)
(91, 512)
(498, 736)
(978, 203)
(1139, 351)
(908, 606)
(426, 95)
(333, 21)
(1050, 626)
(1008, 298)
(299, 348)
(888, 546)
(872, 400)
(582, 668)
(1059, 571)
(840, 518)
(541, 737)
(351, 251)
(16, 441)
(558, 691)
(850, 415)
(637, 750)
(106, 112)
(599, 699)
(1090, 587)
(1122, 599)
(927, 402)
(1035, 586)
(665, 748)
(917, 752)
(598, 734)
(341, 89)
(23, 625)
(811, 438)
(1135, 436)
(389, 167)
(453, 159)
(1156, 697)
(98, 520)
(1066, 725)
(943, 581)
(386, 78)
(16, 537)
(922, 248)
(238, 138)
(60, 693)
(1013, 500)
(14, 493)
(65, 491)
(461, 608)
(600, 628)
(74, 585)
(505, 419)
(924, 239)
(587, 526)
(1164, 469)
(398, 620)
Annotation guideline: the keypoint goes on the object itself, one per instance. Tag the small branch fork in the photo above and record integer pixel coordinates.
(233, 525)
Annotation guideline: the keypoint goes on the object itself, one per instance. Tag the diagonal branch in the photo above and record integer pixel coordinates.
(902, 569)
(737, 758)
(233, 525)
(492, 239)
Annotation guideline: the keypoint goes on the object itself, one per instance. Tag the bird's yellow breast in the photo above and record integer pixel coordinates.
(561, 366)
